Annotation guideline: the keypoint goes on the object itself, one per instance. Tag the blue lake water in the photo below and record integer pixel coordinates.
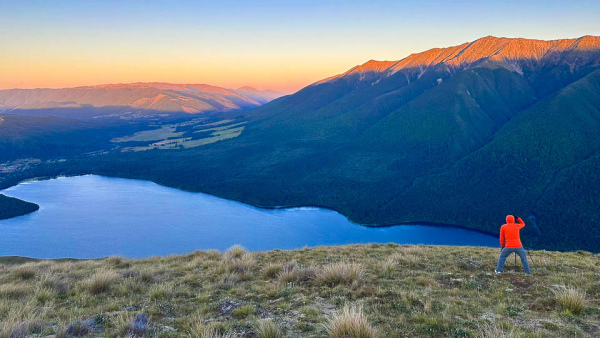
(95, 216)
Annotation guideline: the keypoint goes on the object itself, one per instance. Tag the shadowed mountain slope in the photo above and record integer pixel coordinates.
(459, 135)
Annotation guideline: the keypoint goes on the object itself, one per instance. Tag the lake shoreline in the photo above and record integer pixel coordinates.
(93, 216)
(284, 207)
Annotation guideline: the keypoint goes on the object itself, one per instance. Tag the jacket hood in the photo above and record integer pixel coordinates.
(510, 219)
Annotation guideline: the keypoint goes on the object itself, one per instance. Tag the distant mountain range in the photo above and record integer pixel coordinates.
(461, 135)
(137, 97)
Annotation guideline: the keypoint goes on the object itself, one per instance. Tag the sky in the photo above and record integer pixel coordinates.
(278, 45)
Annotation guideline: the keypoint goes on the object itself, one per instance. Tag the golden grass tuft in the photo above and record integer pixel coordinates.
(272, 270)
(101, 282)
(297, 275)
(242, 264)
(26, 271)
(350, 322)
(340, 273)
(570, 298)
(236, 251)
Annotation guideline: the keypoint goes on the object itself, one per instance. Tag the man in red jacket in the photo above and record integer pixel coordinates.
(510, 242)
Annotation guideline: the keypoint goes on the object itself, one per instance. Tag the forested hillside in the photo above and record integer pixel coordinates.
(11, 207)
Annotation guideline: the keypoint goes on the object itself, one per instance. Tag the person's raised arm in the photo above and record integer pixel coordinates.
(521, 224)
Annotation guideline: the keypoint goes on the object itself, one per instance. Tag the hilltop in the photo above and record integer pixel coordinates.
(403, 291)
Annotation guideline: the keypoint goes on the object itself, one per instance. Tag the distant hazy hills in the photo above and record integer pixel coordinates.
(135, 97)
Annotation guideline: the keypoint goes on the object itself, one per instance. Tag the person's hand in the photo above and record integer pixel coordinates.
(519, 219)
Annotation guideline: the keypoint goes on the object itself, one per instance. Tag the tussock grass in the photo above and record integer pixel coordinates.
(272, 270)
(407, 258)
(101, 282)
(117, 261)
(268, 329)
(241, 264)
(22, 319)
(234, 252)
(22, 329)
(292, 272)
(201, 330)
(44, 295)
(570, 298)
(350, 322)
(26, 271)
(162, 291)
(496, 331)
(389, 267)
(120, 323)
(14, 291)
(54, 282)
(340, 273)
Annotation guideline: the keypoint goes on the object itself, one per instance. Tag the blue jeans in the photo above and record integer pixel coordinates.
(506, 252)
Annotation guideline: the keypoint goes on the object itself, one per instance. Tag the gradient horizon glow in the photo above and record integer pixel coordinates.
(279, 45)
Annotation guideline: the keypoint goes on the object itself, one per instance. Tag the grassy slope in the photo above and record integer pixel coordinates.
(12, 207)
(405, 291)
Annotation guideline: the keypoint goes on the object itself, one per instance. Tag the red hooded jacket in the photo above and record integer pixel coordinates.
(509, 233)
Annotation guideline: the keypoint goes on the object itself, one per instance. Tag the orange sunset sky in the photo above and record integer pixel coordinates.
(279, 45)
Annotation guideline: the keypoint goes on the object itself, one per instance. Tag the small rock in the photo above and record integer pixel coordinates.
(227, 307)
(132, 308)
(168, 329)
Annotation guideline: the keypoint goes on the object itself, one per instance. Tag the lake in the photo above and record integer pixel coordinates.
(94, 216)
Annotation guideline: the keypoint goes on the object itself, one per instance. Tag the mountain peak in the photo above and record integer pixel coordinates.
(488, 50)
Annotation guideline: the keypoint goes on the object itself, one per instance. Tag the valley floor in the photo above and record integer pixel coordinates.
(404, 291)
